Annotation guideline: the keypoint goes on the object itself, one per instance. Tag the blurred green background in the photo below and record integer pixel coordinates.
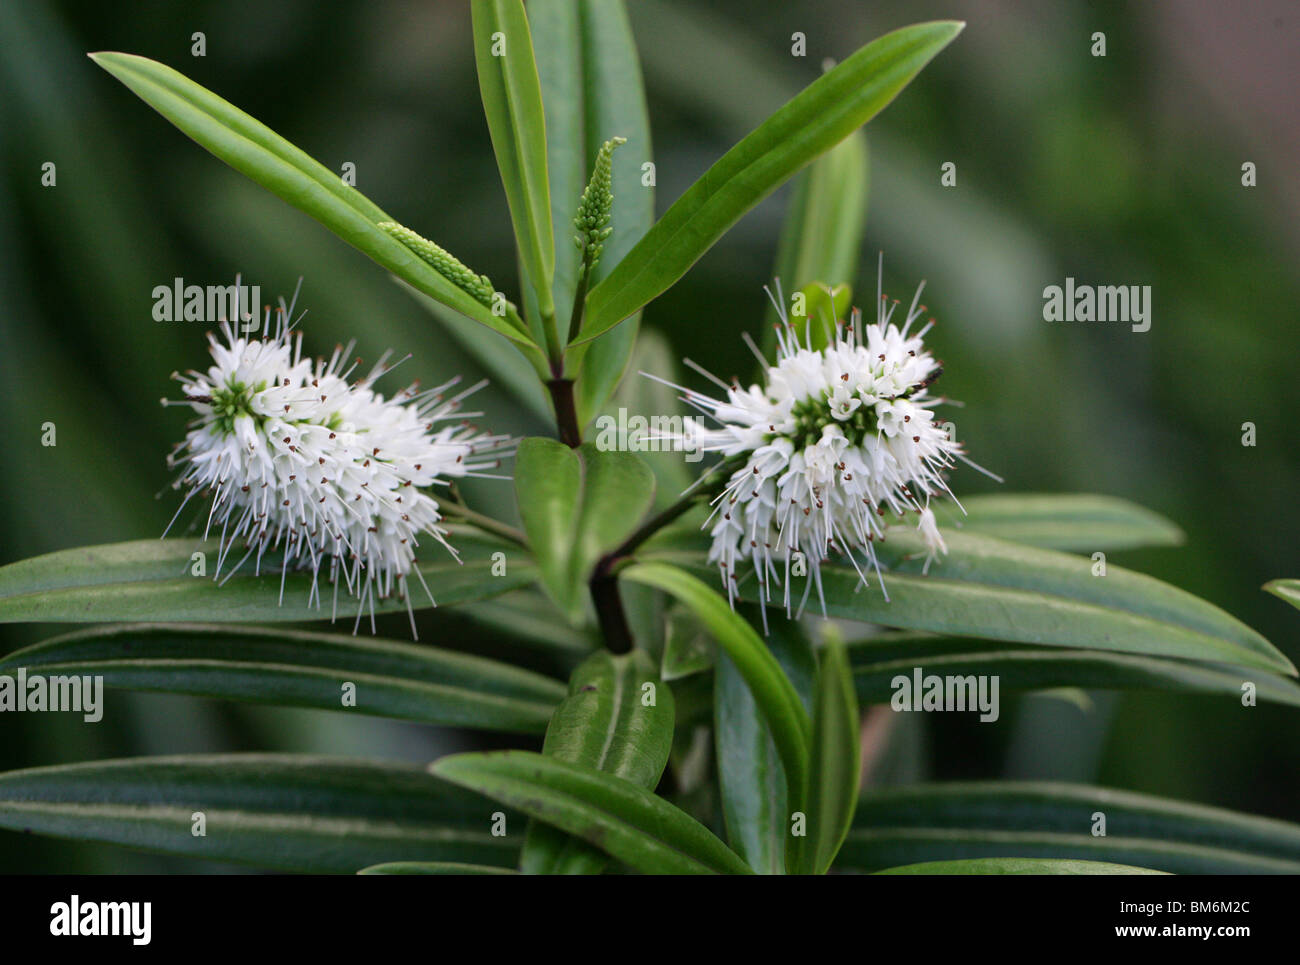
(1117, 170)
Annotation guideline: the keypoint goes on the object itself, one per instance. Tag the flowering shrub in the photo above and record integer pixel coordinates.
(679, 711)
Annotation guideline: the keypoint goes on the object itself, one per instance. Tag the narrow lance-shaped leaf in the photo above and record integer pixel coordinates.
(836, 760)
(821, 237)
(751, 779)
(592, 92)
(302, 669)
(817, 119)
(1073, 522)
(618, 718)
(623, 819)
(1288, 590)
(433, 868)
(283, 811)
(168, 580)
(990, 588)
(772, 690)
(879, 662)
(958, 821)
(268, 159)
(1018, 866)
(512, 101)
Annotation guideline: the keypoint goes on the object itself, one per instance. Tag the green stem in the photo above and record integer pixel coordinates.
(456, 508)
(579, 301)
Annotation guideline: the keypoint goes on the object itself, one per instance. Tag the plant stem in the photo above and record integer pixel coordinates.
(566, 411)
(579, 300)
(457, 508)
(554, 347)
(609, 612)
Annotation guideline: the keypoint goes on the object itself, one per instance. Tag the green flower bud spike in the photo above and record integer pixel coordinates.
(592, 222)
(443, 262)
(594, 209)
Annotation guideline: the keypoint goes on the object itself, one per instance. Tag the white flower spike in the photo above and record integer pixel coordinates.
(829, 444)
(297, 458)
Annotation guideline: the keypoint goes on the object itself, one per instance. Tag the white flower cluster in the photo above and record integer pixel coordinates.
(298, 459)
(830, 444)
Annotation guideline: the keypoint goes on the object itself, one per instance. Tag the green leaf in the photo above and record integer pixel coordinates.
(750, 776)
(303, 669)
(1288, 590)
(256, 151)
(823, 114)
(989, 588)
(821, 237)
(1017, 866)
(945, 822)
(576, 505)
(1072, 522)
(687, 648)
(548, 489)
(150, 580)
(824, 305)
(878, 661)
(592, 91)
(623, 819)
(512, 101)
(836, 763)
(772, 690)
(530, 619)
(605, 724)
(433, 868)
(288, 812)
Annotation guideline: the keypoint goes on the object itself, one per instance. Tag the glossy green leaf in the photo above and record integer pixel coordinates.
(947, 822)
(303, 669)
(614, 105)
(773, 693)
(576, 505)
(592, 91)
(836, 763)
(821, 236)
(751, 780)
(530, 619)
(256, 151)
(1073, 522)
(548, 489)
(990, 588)
(687, 648)
(618, 718)
(878, 661)
(623, 819)
(1288, 590)
(433, 868)
(1018, 866)
(822, 115)
(512, 101)
(151, 580)
(289, 812)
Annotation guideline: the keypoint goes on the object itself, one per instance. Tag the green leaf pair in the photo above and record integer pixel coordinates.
(577, 505)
